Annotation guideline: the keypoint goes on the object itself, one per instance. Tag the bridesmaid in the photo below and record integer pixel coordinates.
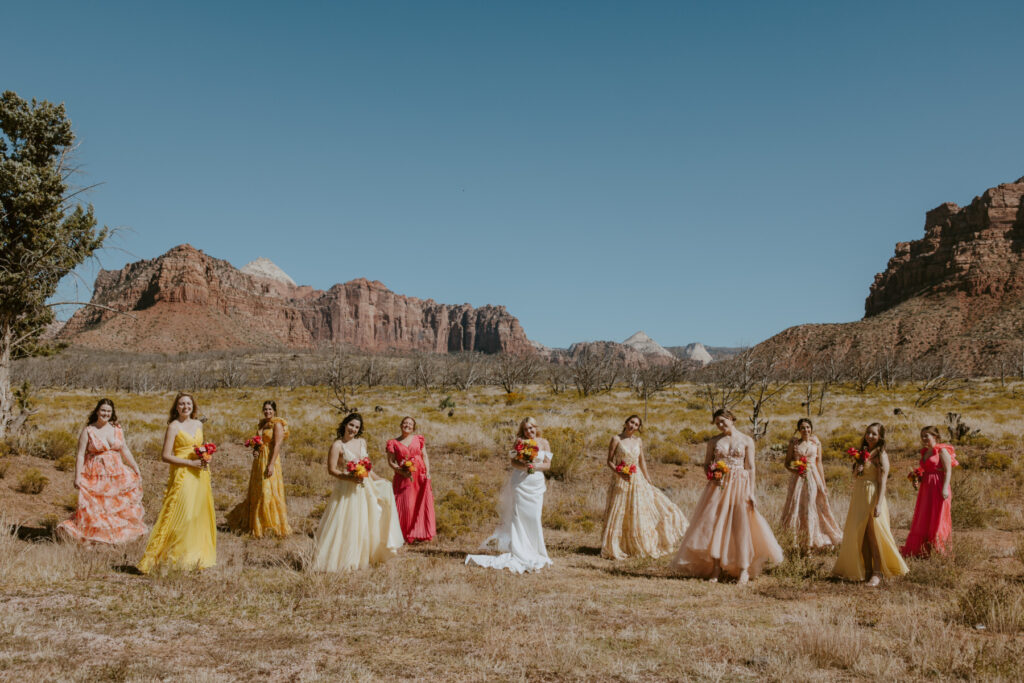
(520, 536)
(413, 494)
(359, 526)
(185, 533)
(932, 524)
(108, 481)
(868, 546)
(726, 530)
(263, 510)
(639, 520)
(807, 511)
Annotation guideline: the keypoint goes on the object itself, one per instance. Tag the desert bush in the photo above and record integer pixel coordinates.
(53, 444)
(993, 460)
(477, 449)
(997, 605)
(968, 508)
(568, 450)
(32, 481)
(50, 522)
(798, 563)
(947, 570)
(691, 436)
(65, 463)
(512, 398)
(841, 440)
(70, 502)
(572, 514)
(460, 512)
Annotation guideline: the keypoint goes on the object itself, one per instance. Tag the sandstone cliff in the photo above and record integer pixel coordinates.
(186, 300)
(956, 295)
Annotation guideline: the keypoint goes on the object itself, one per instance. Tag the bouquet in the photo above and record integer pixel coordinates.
(859, 457)
(526, 451)
(717, 472)
(408, 467)
(799, 465)
(205, 452)
(360, 468)
(915, 476)
(254, 442)
(623, 468)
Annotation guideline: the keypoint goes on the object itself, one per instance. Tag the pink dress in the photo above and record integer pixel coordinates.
(109, 496)
(414, 497)
(725, 527)
(932, 524)
(807, 511)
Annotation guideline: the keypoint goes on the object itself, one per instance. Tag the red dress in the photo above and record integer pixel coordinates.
(932, 524)
(413, 496)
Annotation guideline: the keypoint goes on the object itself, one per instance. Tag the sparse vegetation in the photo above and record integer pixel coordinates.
(32, 482)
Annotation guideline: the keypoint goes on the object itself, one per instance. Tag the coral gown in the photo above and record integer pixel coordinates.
(639, 520)
(109, 496)
(854, 560)
(359, 526)
(414, 497)
(520, 535)
(725, 527)
(932, 525)
(807, 511)
(185, 533)
(263, 510)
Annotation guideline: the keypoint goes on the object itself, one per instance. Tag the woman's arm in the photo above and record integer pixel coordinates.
(390, 453)
(126, 454)
(883, 478)
(612, 448)
(334, 465)
(709, 453)
(83, 441)
(820, 466)
(748, 464)
(275, 449)
(947, 467)
(167, 454)
(426, 460)
(643, 463)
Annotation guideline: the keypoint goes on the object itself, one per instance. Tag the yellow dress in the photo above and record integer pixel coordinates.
(854, 561)
(263, 509)
(185, 533)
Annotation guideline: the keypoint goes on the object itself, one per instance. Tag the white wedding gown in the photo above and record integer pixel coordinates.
(519, 536)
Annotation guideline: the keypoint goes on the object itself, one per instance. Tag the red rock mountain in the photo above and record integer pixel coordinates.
(957, 294)
(186, 300)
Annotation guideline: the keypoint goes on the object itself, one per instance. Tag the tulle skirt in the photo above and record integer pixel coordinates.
(359, 527)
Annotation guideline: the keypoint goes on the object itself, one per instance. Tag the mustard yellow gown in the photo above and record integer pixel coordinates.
(854, 561)
(263, 510)
(185, 533)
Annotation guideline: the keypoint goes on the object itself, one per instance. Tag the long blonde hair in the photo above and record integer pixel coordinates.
(522, 426)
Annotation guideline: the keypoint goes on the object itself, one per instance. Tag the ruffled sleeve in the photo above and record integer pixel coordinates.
(284, 425)
(391, 447)
(423, 443)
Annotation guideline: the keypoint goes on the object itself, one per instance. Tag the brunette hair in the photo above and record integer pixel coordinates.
(638, 419)
(881, 437)
(407, 417)
(174, 407)
(344, 423)
(522, 426)
(272, 404)
(94, 415)
(722, 412)
(802, 420)
(934, 431)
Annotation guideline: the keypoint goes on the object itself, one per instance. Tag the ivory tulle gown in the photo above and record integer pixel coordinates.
(639, 520)
(185, 533)
(109, 496)
(413, 496)
(854, 561)
(359, 526)
(519, 536)
(725, 527)
(807, 511)
(932, 524)
(263, 510)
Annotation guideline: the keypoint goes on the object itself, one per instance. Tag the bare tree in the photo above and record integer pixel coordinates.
(464, 370)
(727, 382)
(766, 383)
(342, 376)
(558, 377)
(512, 370)
(593, 372)
(934, 378)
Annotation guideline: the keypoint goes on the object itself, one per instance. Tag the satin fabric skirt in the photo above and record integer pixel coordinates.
(519, 536)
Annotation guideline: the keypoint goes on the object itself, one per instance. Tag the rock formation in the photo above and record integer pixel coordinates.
(956, 296)
(186, 300)
(647, 346)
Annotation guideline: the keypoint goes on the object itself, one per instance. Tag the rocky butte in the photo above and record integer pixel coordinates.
(954, 296)
(186, 300)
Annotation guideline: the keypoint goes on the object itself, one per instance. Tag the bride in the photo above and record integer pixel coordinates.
(519, 536)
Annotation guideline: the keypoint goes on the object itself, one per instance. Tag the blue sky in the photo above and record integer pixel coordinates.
(709, 172)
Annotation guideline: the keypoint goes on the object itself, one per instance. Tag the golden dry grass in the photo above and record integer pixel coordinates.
(73, 613)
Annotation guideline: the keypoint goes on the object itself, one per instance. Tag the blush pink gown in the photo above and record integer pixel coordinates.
(807, 511)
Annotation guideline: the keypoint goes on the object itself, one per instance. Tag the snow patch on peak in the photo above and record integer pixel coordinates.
(647, 346)
(264, 267)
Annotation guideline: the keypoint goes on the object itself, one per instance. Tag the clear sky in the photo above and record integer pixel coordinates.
(710, 172)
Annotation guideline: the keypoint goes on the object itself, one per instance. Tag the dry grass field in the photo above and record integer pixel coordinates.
(70, 613)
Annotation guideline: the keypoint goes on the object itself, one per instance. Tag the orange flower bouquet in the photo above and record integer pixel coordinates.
(628, 470)
(407, 467)
(360, 468)
(799, 465)
(254, 442)
(717, 472)
(205, 452)
(859, 457)
(915, 476)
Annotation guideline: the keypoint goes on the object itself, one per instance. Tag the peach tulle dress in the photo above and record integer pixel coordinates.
(725, 527)
(185, 533)
(109, 495)
(807, 511)
(639, 520)
(263, 510)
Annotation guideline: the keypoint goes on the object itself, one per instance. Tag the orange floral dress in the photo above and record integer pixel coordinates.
(109, 495)
(263, 509)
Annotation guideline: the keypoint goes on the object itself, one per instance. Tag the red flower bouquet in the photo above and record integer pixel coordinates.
(915, 476)
(799, 465)
(717, 472)
(859, 457)
(205, 452)
(623, 468)
(360, 468)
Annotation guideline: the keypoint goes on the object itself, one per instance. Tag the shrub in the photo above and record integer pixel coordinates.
(478, 450)
(694, 437)
(568, 449)
(946, 570)
(50, 522)
(32, 481)
(968, 508)
(841, 440)
(460, 512)
(994, 461)
(70, 502)
(572, 515)
(512, 398)
(53, 444)
(65, 463)
(998, 605)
